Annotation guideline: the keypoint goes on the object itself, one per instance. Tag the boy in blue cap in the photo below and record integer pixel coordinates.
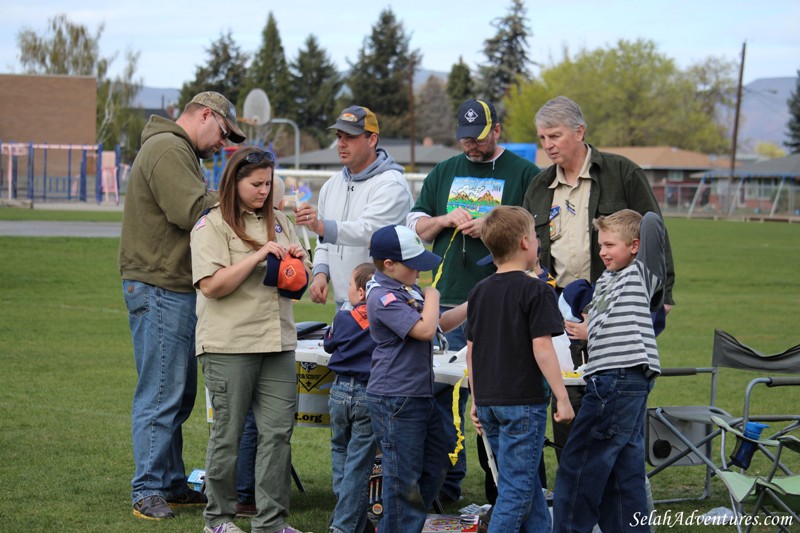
(408, 426)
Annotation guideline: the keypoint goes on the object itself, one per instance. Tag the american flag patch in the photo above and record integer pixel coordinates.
(387, 299)
(200, 223)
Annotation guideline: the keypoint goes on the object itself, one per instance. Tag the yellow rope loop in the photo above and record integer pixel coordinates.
(457, 420)
(441, 265)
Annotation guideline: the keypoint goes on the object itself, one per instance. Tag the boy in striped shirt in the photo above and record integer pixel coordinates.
(601, 475)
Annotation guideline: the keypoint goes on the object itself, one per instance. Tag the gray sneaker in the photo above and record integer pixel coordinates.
(152, 508)
(227, 527)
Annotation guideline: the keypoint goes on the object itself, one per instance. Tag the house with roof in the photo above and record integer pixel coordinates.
(426, 155)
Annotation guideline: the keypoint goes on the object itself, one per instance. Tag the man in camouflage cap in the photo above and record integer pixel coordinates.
(166, 195)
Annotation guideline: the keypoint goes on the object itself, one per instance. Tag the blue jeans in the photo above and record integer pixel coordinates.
(246, 466)
(409, 431)
(516, 435)
(601, 475)
(353, 447)
(162, 326)
(451, 488)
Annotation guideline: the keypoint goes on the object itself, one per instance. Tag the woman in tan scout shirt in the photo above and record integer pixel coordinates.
(246, 339)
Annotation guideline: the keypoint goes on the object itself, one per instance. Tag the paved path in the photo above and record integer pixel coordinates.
(41, 228)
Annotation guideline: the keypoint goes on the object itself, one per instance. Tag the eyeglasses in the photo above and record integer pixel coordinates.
(254, 158)
(466, 142)
(225, 132)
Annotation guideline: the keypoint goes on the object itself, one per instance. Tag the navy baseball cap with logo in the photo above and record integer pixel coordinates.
(356, 120)
(400, 243)
(476, 118)
(288, 275)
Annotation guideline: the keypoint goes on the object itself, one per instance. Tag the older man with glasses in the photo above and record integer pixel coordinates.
(455, 195)
(166, 195)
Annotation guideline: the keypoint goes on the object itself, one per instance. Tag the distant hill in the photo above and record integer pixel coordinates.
(765, 111)
(154, 98)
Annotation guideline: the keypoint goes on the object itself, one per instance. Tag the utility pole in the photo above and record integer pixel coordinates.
(730, 197)
(411, 120)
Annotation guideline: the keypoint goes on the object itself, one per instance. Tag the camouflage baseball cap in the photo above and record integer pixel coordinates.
(219, 104)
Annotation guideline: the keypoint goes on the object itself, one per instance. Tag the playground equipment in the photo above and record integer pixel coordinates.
(64, 176)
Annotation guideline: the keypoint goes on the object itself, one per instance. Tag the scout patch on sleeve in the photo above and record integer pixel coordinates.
(386, 299)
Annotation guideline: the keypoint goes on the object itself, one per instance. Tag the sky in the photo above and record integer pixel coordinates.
(173, 36)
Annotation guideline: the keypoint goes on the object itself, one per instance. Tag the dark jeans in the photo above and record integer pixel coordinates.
(601, 476)
(409, 432)
(451, 489)
(246, 467)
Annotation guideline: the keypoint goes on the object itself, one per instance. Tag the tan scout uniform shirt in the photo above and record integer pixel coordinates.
(253, 318)
(569, 229)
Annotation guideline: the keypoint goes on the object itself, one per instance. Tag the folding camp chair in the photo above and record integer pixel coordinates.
(777, 497)
(682, 435)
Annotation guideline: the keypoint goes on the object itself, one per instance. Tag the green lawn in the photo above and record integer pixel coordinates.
(68, 373)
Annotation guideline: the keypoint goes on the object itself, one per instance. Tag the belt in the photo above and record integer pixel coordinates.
(348, 380)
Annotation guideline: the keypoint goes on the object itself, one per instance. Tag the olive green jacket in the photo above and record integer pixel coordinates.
(166, 195)
(617, 183)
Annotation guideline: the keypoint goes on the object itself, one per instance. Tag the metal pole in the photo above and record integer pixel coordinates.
(296, 138)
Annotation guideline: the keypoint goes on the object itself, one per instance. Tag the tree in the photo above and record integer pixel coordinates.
(459, 85)
(769, 150)
(630, 94)
(793, 144)
(434, 118)
(270, 71)
(315, 83)
(506, 55)
(380, 79)
(224, 72)
(68, 49)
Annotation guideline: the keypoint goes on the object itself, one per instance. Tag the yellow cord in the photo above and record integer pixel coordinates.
(457, 420)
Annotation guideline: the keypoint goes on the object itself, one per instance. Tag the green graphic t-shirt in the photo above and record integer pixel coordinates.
(477, 187)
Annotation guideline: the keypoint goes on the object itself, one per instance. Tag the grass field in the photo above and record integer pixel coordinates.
(68, 373)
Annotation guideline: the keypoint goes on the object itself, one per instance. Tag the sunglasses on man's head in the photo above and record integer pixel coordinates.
(254, 158)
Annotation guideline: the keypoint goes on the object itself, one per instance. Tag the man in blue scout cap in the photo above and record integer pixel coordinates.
(454, 197)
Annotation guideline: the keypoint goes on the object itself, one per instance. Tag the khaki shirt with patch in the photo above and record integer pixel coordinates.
(253, 318)
(569, 229)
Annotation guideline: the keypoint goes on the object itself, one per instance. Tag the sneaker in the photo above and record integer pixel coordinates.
(189, 498)
(152, 508)
(290, 529)
(227, 527)
(246, 510)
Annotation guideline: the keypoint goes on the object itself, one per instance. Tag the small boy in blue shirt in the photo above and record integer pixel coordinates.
(408, 426)
(353, 444)
(511, 320)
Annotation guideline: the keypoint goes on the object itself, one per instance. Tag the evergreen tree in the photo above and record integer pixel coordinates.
(794, 119)
(69, 49)
(381, 77)
(433, 116)
(459, 85)
(224, 72)
(506, 55)
(270, 72)
(316, 83)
